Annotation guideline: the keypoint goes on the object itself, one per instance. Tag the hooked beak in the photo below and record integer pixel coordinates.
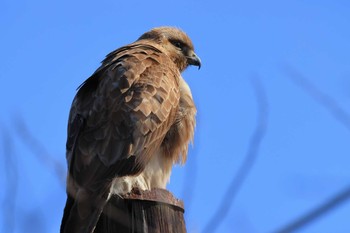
(194, 60)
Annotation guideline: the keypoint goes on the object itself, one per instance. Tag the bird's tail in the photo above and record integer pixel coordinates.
(82, 214)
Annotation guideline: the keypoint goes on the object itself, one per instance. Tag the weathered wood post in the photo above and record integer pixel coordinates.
(155, 211)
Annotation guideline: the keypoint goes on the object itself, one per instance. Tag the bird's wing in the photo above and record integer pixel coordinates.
(118, 119)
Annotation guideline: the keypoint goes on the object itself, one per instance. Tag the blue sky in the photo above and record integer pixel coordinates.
(48, 48)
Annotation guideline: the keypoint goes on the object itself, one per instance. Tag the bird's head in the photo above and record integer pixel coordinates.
(176, 44)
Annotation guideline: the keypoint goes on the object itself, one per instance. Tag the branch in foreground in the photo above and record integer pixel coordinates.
(322, 98)
(304, 220)
(250, 158)
(341, 116)
(39, 150)
(11, 174)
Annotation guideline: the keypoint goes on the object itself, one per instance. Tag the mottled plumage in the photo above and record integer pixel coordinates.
(128, 124)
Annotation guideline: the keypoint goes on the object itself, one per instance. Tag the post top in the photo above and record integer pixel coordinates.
(155, 195)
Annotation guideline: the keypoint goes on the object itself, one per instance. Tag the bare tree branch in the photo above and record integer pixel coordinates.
(248, 162)
(312, 215)
(11, 174)
(319, 96)
(341, 116)
(39, 150)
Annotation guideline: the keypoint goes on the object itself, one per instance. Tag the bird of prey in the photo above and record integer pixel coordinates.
(128, 124)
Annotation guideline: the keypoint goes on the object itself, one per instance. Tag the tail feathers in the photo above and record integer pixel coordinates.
(66, 212)
(81, 216)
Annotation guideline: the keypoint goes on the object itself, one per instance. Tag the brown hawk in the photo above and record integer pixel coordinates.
(128, 124)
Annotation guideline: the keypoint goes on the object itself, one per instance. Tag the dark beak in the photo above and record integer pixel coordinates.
(194, 60)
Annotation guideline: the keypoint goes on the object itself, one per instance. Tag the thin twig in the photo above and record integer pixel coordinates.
(248, 162)
(341, 116)
(11, 174)
(39, 150)
(319, 96)
(312, 215)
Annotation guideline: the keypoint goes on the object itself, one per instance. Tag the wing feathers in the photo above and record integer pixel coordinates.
(128, 106)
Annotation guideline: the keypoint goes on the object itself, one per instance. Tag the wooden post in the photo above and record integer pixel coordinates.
(154, 211)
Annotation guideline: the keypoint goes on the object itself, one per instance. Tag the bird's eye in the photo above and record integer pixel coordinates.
(177, 44)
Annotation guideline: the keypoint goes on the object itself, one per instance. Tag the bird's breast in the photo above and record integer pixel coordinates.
(155, 175)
